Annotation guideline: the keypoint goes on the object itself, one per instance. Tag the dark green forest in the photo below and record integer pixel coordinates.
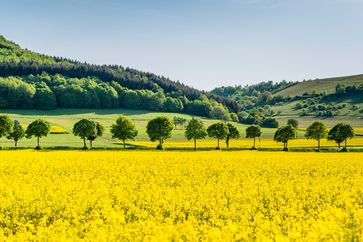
(30, 80)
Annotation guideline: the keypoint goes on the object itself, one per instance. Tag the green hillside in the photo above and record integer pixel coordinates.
(320, 85)
(12, 52)
(29, 80)
(339, 98)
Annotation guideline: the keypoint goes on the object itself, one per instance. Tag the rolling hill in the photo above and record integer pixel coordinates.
(338, 98)
(35, 81)
(327, 85)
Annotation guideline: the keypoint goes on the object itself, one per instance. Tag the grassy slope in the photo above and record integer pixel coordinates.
(320, 85)
(328, 85)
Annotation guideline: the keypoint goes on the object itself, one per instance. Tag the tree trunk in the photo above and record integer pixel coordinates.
(318, 144)
(124, 144)
(16, 143)
(84, 143)
(227, 143)
(345, 143)
(38, 142)
(254, 142)
(90, 143)
(195, 144)
(339, 146)
(218, 143)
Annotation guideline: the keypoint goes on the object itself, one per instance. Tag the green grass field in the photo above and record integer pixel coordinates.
(66, 118)
(320, 85)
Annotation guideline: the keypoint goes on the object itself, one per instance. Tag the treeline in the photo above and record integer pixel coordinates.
(159, 129)
(342, 90)
(252, 90)
(252, 96)
(126, 77)
(50, 92)
(15, 61)
(11, 52)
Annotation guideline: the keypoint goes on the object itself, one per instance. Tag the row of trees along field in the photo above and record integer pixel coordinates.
(159, 129)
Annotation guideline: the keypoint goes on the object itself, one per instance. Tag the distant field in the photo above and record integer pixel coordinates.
(320, 85)
(64, 119)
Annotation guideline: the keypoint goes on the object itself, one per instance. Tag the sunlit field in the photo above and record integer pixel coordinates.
(248, 143)
(149, 195)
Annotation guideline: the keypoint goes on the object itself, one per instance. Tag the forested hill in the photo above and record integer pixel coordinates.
(339, 96)
(32, 80)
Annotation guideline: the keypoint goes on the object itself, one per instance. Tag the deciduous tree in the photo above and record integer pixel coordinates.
(17, 133)
(123, 129)
(340, 133)
(159, 129)
(6, 125)
(317, 131)
(233, 133)
(84, 128)
(195, 130)
(218, 131)
(99, 132)
(38, 128)
(284, 134)
(253, 131)
(293, 122)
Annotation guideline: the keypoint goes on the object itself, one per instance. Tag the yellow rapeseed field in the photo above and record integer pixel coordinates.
(180, 196)
(247, 143)
(54, 129)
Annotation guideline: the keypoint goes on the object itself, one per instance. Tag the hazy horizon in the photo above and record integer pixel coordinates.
(202, 43)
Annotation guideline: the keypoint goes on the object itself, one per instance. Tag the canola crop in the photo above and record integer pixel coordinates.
(248, 143)
(180, 196)
(54, 129)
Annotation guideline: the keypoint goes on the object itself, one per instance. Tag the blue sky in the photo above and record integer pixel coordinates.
(203, 43)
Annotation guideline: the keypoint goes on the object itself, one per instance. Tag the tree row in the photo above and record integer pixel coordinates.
(159, 129)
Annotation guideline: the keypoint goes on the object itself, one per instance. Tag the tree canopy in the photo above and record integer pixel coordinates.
(293, 122)
(99, 132)
(17, 133)
(6, 125)
(253, 131)
(84, 128)
(233, 133)
(159, 129)
(195, 130)
(284, 134)
(218, 131)
(38, 128)
(340, 133)
(123, 129)
(317, 131)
